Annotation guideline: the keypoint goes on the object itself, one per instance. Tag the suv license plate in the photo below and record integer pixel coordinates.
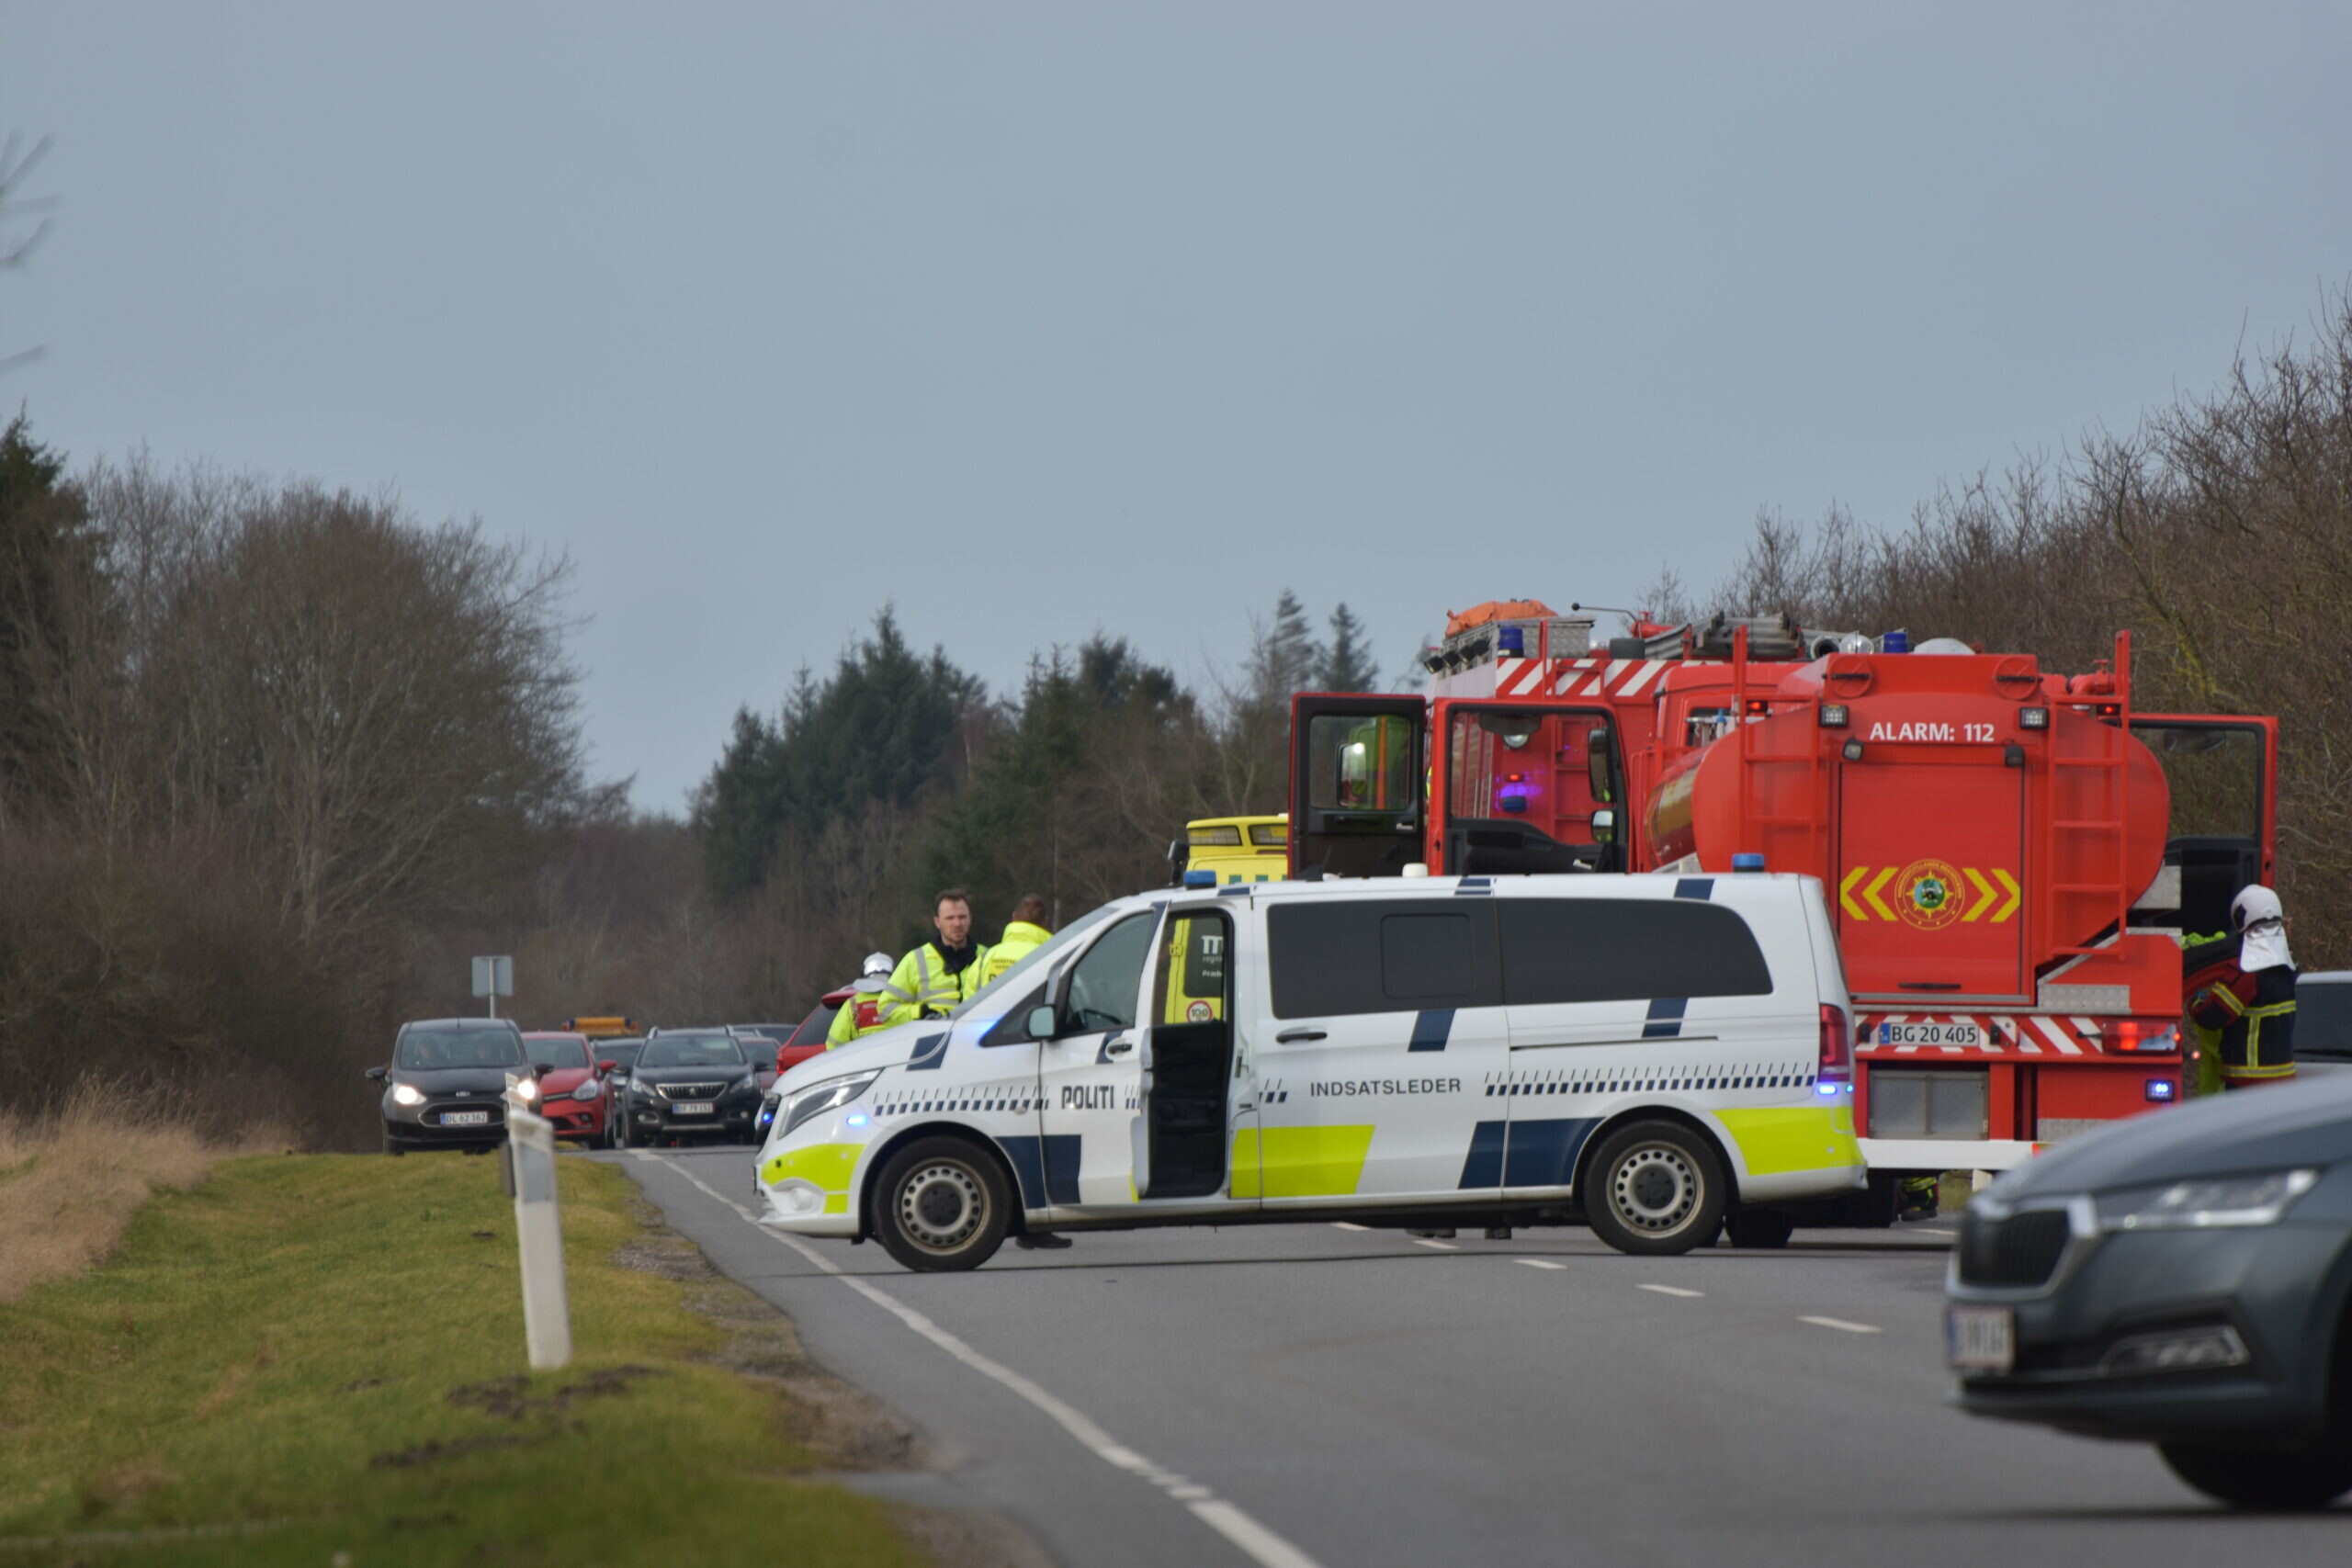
(1981, 1339)
(465, 1118)
(1931, 1034)
(691, 1108)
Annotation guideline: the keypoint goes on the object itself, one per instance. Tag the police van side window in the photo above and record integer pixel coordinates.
(1106, 984)
(1606, 949)
(1333, 959)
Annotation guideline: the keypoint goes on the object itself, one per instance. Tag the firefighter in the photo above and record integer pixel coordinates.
(1022, 934)
(863, 1013)
(2250, 998)
(942, 973)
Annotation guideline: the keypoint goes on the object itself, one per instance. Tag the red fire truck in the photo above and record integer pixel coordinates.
(2011, 853)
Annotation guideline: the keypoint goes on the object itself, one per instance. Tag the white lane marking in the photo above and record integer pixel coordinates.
(1840, 1324)
(1436, 1245)
(1262, 1544)
(1922, 1230)
(1538, 1263)
(1258, 1543)
(1670, 1291)
(1345, 1225)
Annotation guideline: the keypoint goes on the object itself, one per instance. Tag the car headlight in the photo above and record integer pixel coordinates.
(407, 1094)
(527, 1089)
(588, 1090)
(2205, 1204)
(825, 1097)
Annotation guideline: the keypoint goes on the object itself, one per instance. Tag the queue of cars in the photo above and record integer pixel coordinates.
(444, 1085)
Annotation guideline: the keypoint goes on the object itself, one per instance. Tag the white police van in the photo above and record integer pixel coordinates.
(1641, 1054)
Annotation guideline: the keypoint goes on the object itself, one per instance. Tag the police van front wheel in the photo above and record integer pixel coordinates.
(941, 1205)
(1655, 1188)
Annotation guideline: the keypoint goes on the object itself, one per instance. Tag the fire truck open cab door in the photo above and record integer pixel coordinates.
(1358, 771)
(2223, 774)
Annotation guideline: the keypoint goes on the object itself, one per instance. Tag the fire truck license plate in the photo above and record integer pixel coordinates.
(1930, 1035)
(1981, 1339)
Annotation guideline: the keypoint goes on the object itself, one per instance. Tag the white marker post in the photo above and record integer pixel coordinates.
(538, 1234)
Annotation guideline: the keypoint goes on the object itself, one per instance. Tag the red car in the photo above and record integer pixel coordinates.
(575, 1092)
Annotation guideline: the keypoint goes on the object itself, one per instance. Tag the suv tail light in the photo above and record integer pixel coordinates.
(1837, 1064)
(2139, 1035)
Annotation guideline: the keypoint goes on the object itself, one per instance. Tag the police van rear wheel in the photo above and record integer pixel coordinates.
(941, 1205)
(1655, 1188)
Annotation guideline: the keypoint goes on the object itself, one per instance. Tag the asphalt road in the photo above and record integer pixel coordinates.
(1313, 1395)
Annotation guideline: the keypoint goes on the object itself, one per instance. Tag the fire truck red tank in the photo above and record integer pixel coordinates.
(1969, 816)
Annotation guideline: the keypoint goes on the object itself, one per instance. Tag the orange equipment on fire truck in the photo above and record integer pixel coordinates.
(2009, 853)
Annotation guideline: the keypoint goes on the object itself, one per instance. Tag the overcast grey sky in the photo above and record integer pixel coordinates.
(1041, 318)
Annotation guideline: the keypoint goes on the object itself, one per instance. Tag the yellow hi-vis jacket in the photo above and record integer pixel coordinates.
(921, 984)
(1019, 941)
(860, 1015)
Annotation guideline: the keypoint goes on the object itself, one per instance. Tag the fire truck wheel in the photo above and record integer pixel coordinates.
(941, 1205)
(1656, 1188)
(2266, 1480)
(1759, 1227)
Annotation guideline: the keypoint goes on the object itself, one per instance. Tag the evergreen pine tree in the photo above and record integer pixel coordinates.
(1348, 664)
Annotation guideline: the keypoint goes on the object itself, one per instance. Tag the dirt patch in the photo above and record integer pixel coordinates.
(954, 1538)
(122, 1486)
(512, 1397)
(436, 1451)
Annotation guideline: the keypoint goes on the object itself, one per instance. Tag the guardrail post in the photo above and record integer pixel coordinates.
(538, 1235)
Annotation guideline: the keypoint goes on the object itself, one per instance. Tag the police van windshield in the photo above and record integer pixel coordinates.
(1044, 953)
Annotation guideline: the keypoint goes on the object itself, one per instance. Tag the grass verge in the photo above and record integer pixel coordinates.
(318, 1359)
(70, 1181)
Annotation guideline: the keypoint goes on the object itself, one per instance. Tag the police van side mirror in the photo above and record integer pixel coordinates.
(1041, 1023)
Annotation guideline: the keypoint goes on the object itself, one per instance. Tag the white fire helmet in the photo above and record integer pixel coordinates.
(878, 966)
(2259, 917)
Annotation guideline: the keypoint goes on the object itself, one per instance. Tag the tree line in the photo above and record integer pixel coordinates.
(277, 757)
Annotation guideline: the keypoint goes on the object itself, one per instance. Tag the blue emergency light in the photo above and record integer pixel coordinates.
(1747, 862)
(1511, 639)
(2163, 1092)
(1199, 876)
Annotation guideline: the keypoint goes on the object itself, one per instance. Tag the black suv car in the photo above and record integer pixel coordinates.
(443, 1090)
(696, 1083)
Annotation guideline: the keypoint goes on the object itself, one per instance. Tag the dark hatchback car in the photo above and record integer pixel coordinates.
(2185, 1280)
(690, 1083)
(443, 1090)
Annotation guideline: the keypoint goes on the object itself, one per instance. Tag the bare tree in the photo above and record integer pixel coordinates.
(18, 162)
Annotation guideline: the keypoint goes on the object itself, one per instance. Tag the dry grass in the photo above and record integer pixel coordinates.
(70, 1181)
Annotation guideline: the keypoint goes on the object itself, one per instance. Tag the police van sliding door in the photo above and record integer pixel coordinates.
(1386, 1028)
(1664, 998)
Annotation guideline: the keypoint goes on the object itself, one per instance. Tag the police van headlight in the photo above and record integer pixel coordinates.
(825, 1097)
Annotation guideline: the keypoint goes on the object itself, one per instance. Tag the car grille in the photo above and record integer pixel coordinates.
(692, 1090)
(2021, 1250)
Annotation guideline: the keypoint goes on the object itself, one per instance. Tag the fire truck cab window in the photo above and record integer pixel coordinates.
(1705, 727)
(1360, 764)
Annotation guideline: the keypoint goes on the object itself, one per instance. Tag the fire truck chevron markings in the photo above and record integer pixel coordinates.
(1846, 892)
(1995, 905)
(1984, 893)
(1871, 894)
